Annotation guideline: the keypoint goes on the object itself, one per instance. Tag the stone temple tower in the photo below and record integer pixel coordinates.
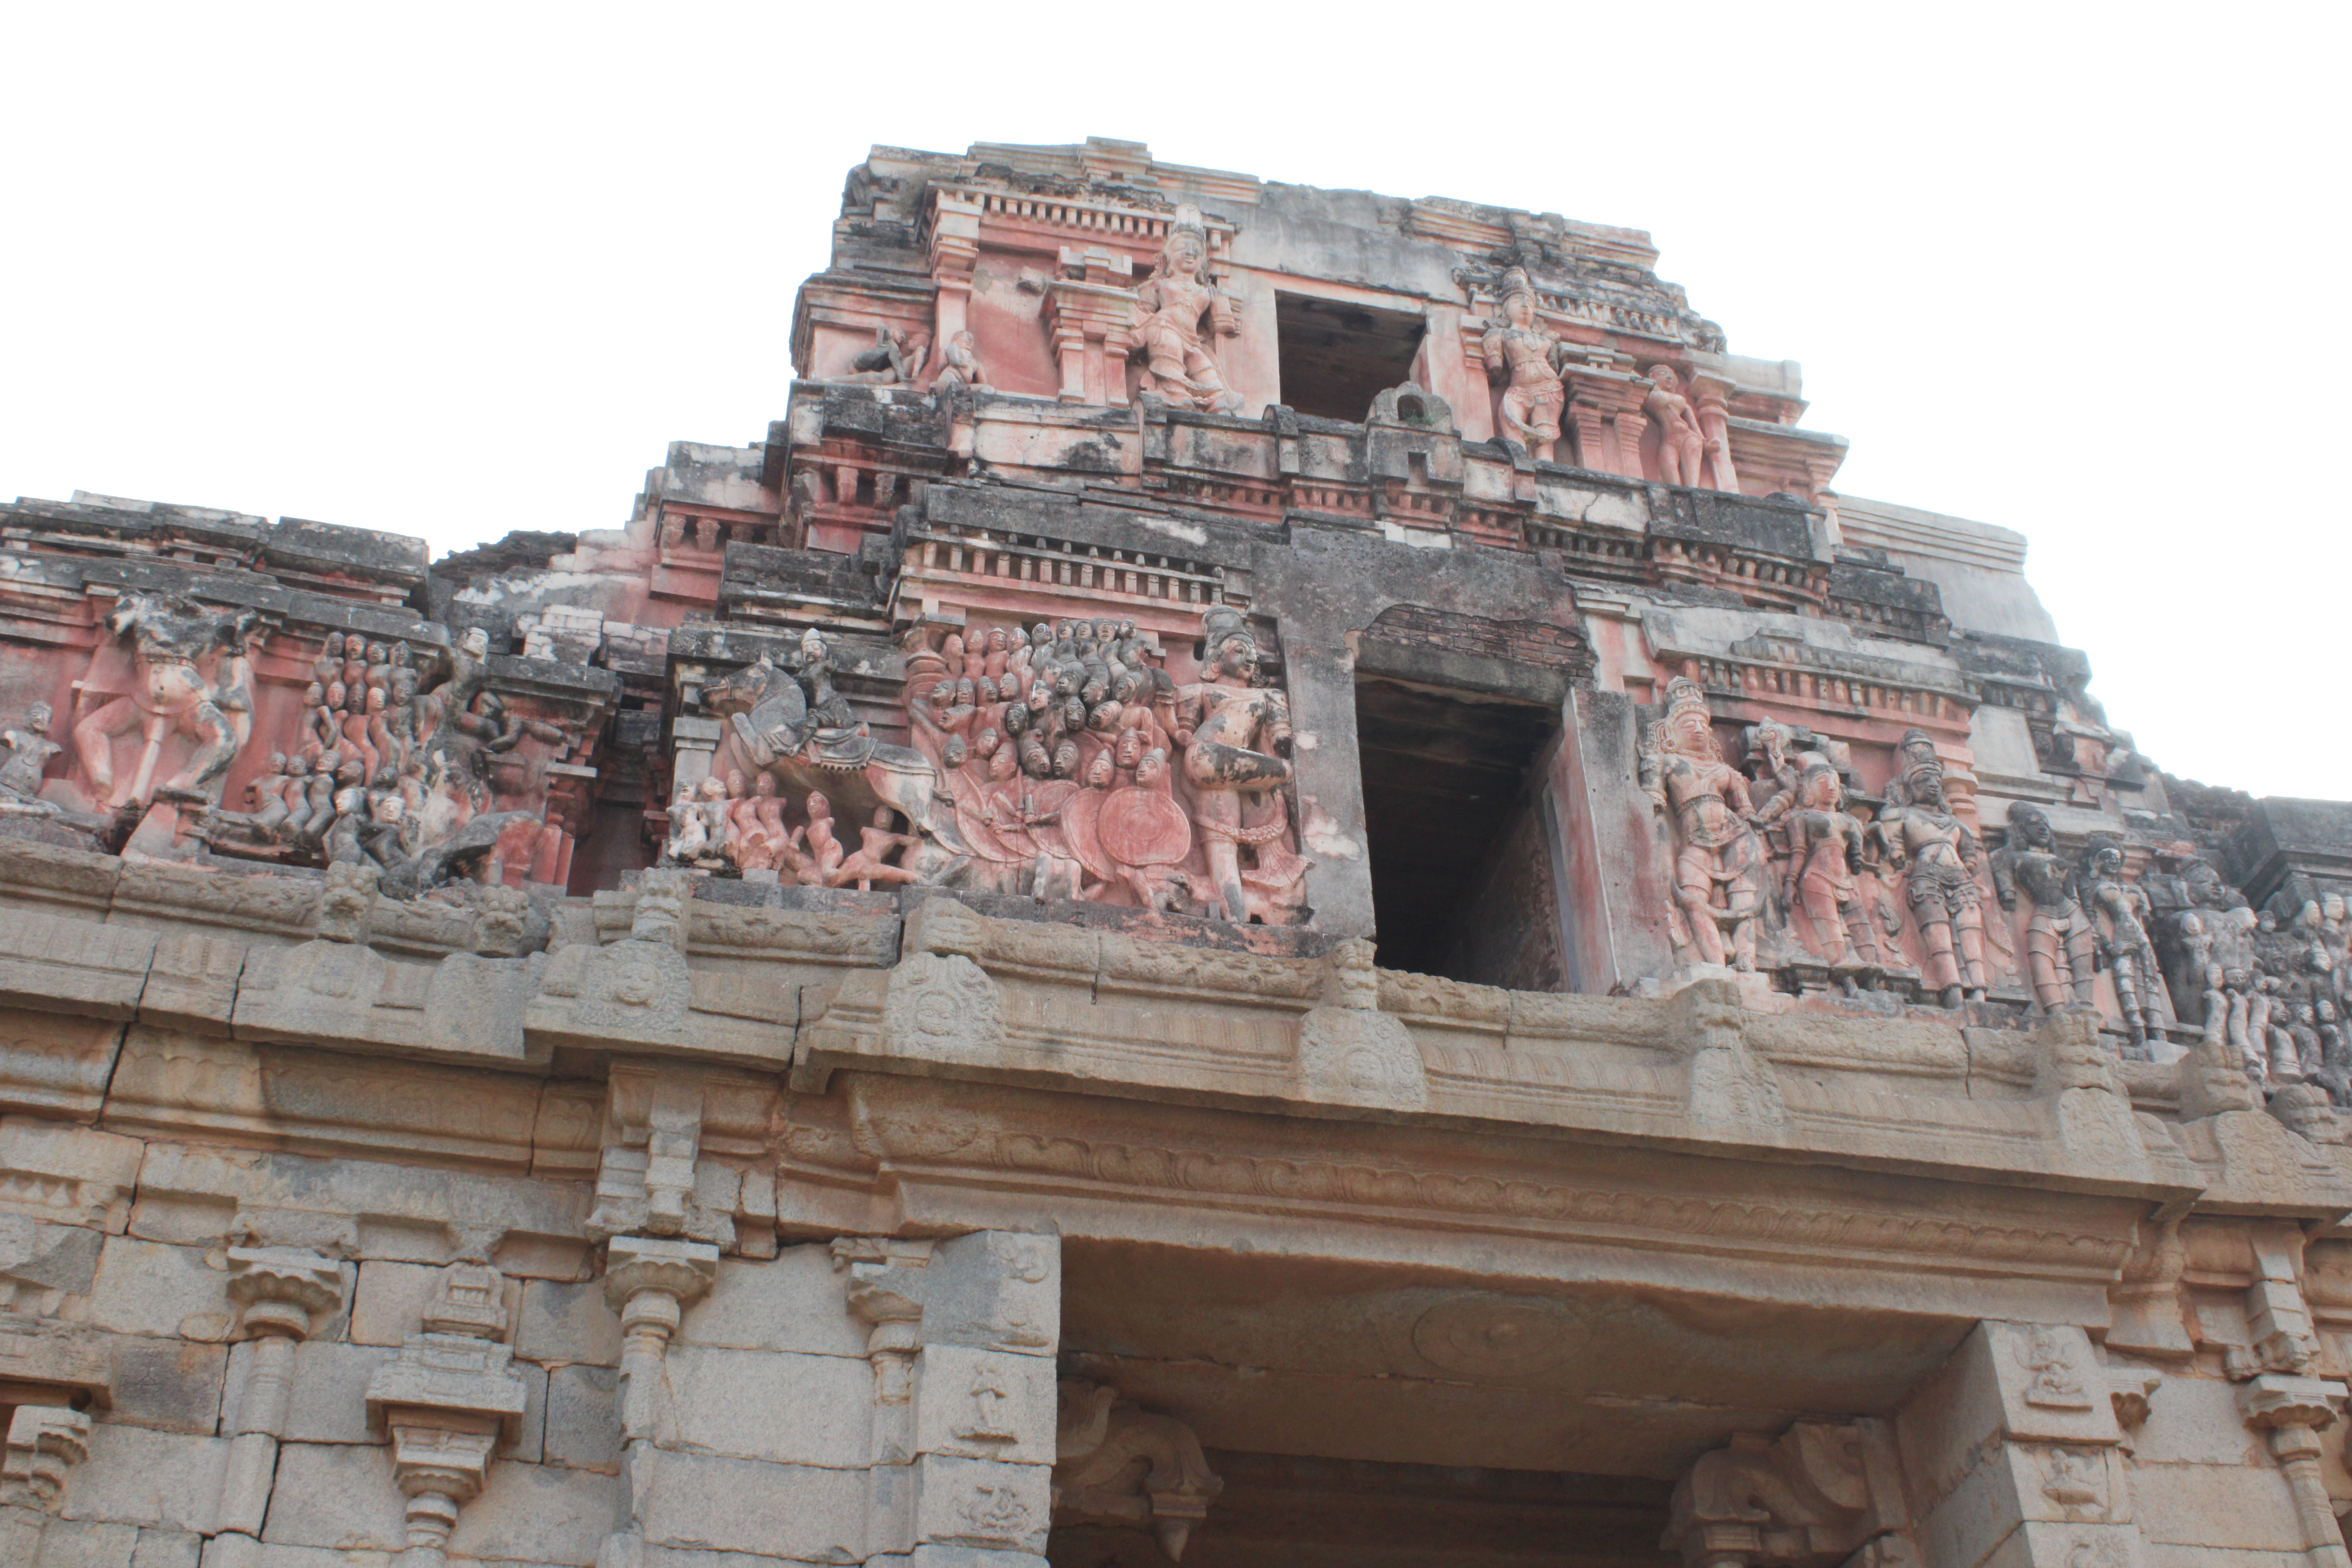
(1276, 882)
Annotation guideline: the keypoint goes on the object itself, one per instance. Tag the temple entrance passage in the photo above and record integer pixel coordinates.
(1462, 883)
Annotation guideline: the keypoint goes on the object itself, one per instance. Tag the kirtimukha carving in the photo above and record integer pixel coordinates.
(1718, 864)
(192, 674)
(1938, 858)
(1682, 446)
(1169, 306)
(1526, 355)
(2061, 941)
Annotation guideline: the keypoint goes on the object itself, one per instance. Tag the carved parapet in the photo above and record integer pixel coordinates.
(465, 1006)
(1117, 1464)
(1816, 1495)
(44, 1442)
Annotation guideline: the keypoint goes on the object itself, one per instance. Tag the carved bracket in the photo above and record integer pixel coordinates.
(1117, 1464)
(1816, 1495)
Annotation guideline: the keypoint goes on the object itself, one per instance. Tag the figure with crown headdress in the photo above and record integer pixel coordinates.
(1718, 864)
(1169, 305)
(1236, 767)
(1937, 857)
(1527, 353)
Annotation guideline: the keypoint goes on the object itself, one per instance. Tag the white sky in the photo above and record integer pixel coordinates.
(452, 270)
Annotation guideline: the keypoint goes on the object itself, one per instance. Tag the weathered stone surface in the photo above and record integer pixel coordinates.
(715, 1504)
(567, 1323)
(791, 1303)
(583, 1429)
(163, 1480)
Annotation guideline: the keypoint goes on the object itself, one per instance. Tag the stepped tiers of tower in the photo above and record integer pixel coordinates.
(1277, 882)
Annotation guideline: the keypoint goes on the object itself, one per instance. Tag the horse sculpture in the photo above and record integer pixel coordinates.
(818, 744)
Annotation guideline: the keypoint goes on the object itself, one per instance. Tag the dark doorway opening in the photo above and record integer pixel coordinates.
(1335, 357)
(1461, 863)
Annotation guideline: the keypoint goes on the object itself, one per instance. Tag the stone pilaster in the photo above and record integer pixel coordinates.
(648, 1282)
(2013, 1453)
(962, 1335)
(2279, 1397)
(279, 1293)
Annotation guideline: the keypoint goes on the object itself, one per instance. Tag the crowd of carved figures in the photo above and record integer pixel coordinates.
(391, 765)
(1058, 762)
(1774, 865)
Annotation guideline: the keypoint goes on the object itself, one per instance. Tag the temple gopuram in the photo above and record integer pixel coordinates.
(1277, 883)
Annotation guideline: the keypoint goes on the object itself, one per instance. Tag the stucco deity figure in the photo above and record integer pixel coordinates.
(1169, 305)
(1825, 848)
(894, 358)
(1520, 348)
(2061, 940)
(2125, 947)
(191, 679)
(1236, 761)
(1683, 446)
(1718, 863)
(959, 366)
(29, 751)
(2216, 943)
(1938, 858)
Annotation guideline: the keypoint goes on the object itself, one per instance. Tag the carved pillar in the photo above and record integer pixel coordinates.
(1091, 314)
(2015, 1445)
(2278, 1395)
(1627, 424)
(649, 1281)
(447, 1399)
(893, 1321)
(44, 1441)
(954, 251)
(278, 1293)
(1707, 395)
(1605, 407)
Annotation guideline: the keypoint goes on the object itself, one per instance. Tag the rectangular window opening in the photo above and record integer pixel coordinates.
(1336, 357)
(1461, 861)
